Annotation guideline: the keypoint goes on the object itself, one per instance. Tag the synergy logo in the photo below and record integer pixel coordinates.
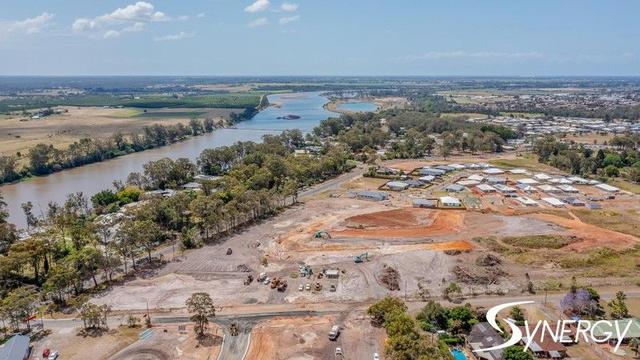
(559, 332)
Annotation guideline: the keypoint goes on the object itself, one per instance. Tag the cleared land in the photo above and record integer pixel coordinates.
(18, 133)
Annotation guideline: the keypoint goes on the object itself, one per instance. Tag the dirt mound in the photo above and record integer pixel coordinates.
(486, 276)
(444, 222)
(389, 277)
(390, 218)
(488, 260)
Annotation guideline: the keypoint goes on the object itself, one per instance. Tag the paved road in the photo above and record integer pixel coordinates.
(332, 184)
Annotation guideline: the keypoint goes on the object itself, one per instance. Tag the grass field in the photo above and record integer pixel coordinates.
(147, 102)
(529, 162)
(539, 241)
(626, 223)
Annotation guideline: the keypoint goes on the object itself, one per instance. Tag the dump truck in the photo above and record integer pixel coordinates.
(334, 332)
(248, 280)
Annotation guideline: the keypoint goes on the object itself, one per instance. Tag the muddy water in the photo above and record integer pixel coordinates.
(95, 177)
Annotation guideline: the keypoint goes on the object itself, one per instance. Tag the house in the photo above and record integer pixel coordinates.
(561, 181)
(371, 195)
(543, 346)
(457, 166)
(446, 168)
(603, 330)
(519, 171)
(525, 187)
(450, 202)
(594, 206)
(496, 180)
(202, 177)
(425, 203)
(542, 177)
(485, 188)
(413, 183)
(578, 180)
(426, 179)
(397, 185)
(431, 171)
(573, 201)
(483, 336)
(192, 186)
(526, 201)
(527, 181)
(17, 348)
(607, 188)
(493, 171)
(553, 202)
(155, 194)
(506, 190)
(454, 188)
(549, 188)
(568, 188)
(468, 182)
(476, 177)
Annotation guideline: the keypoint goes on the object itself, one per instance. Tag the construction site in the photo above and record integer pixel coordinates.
(319, 263)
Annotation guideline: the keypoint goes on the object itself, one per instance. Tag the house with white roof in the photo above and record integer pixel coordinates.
(527, 181)
(607, 188)
(568, 188)
(450, 202)
(548, 188)
(526, 201)
(542, 177)
(554, 202)
(519, 171)
(493, 171)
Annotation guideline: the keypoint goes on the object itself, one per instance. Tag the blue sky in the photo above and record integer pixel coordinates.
(320, 37)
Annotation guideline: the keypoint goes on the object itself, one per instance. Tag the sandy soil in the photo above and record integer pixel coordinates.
(70, 345)
(19, 133)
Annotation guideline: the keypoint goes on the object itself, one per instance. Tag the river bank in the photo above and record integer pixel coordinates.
(381, 103)
(98, 176)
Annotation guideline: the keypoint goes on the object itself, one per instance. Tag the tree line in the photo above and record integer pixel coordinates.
(44, 159)
(79, 250)
(621, 160)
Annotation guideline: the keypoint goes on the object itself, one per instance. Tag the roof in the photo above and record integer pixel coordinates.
(518, 171)
(553, 201)
(542, 176)
(548, 188)
(526, 201)
(607, 188)
(400, 184)
(475, 177)
(527, 181)
(17, 348)
(454, 187)
(504, 188)
(427, 178)
(493, 171)
(450, 200)
(482, 336)
(428, 202)
(601, 329)
(542, 341)
(567, 188)
(372, 194)
(486, 188)
(468, 182)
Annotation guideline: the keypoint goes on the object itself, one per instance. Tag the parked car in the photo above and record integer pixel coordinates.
(308, 287)
(376, 356)
(54, 355)
(301, 287)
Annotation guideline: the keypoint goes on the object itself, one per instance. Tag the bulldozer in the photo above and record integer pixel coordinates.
(317, 287)
(322, 234)
(282, 286)
(275, 282)
(360, 258)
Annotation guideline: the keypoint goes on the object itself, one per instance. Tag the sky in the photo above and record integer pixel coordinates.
(320, 37)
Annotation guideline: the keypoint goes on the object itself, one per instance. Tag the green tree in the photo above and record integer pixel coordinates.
(387, 305)
(618, 306)
(516, 353)
(201, 308)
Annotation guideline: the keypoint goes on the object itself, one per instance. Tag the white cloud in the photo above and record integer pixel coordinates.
(259, 22)
(459, 54)
(174, 37)
(289, 19)
(289, 7)
(111, 34)
(135, 27)
(200, 16)
(183, 18)
(258, 6)
(140, 12)
(28, 26)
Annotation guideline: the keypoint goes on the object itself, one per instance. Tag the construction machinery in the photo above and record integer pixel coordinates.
(360, 258)
(279, 284)
(334, 332)
(322, 234)
(317, 287)
(233, 329)
(248, 280)
(305, 270)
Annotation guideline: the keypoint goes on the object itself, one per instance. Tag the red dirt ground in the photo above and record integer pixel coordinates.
(591, 236)
(388, 224)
